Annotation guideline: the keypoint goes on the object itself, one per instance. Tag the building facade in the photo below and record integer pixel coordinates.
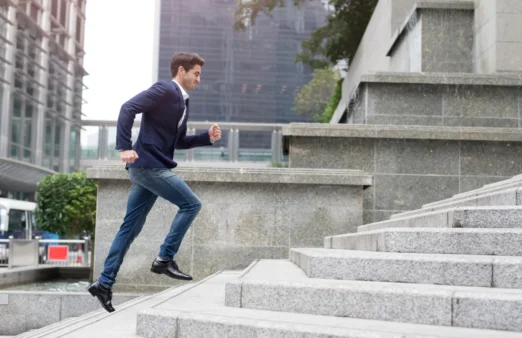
(248, 76)
(41, 84)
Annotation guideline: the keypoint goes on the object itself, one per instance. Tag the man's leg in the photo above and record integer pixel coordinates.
(164, 183)
(139, 203)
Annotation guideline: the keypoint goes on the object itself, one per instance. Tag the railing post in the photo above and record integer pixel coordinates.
(234, 151)
(86, 248)
(277, 145)
(190, 152)
(37, 239)
(11, 254)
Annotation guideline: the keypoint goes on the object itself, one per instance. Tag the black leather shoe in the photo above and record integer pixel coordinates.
(170, 269)
(104, 295)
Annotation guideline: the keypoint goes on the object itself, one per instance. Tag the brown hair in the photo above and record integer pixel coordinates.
(186, 60)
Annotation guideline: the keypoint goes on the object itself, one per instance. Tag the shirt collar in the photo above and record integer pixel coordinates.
(183, 92)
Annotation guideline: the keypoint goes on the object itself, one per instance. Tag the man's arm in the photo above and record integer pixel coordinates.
(142, 102)
(187, 142)
(203, 139)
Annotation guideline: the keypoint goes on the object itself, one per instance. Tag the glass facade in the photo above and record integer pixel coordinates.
(248, 76)
(43, 108)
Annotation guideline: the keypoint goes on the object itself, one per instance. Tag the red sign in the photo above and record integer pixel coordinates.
(57, 252)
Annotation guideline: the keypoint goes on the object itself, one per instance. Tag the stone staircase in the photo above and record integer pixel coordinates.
(449, 272)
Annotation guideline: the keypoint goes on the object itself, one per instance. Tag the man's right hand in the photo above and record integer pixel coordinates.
(128, 156)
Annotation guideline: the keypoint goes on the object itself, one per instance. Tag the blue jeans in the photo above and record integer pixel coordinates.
(147, 185)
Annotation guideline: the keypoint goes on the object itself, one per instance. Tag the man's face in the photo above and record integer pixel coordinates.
(191, 78)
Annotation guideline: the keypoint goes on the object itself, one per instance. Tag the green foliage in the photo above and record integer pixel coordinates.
(314, 97)
(337, 40)
(334, 102)
(66, 204)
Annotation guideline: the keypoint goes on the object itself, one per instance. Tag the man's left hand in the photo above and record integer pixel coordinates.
(214, 132)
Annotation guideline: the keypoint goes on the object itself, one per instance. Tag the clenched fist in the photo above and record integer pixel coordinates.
(214, 132)
(128, 156)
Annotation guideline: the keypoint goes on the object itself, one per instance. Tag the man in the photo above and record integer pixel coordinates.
(165, 108)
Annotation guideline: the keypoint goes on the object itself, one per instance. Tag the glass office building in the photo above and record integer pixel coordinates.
(249, 76)
(41, 84)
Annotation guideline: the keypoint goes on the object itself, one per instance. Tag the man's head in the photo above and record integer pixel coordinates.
(186, 69)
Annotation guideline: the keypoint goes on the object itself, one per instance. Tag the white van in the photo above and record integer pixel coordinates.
(17, 219)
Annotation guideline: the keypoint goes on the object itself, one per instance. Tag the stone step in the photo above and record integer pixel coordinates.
(499, 186)
(465, 217)
(200, 312)
(459, 270)
(100, 323)
(494, 242)
(279, 285)
(508, 197)
(517, 178)
(50, 330)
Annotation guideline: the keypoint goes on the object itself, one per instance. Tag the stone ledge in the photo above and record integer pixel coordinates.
(403, 132)
(250, 175)
(443, 79)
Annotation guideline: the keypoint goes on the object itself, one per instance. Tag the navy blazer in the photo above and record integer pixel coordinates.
(162, 106)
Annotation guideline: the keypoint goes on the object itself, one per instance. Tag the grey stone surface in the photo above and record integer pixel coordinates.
(287, 289)
(298, 132)
(447, 40)
(152, 323)
(417, 157)
(209, 259)
(491, 158)
(404, 99)
(508, 56)
(398, 268)
(233, 293)
(489, 217)
(406, 192)
(499, 242)
(454, 105)
(304, 153)
(470, 183)
(410, 120)
(500, 187)
(26, 311)
(248, 175)
(488, 311)
(508, 80)
(481, 101)
(200, 313)
(465, 217)
(462, 270)
(481, 122)
(354, 301)
(503, 197)
(238, 222)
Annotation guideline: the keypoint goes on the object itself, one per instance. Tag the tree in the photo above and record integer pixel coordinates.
(334, 102)
(337, 40)
(66, 204)
(314, 97)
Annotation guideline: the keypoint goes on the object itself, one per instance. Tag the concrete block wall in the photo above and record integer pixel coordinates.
(247, 214)
(411, 165)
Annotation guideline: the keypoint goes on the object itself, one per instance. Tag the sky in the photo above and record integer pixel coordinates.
(119, 54)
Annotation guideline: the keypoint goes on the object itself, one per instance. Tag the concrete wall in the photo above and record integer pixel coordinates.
(435, 40)
(21, 311)
(498, 45)
(247, 214)
(411, 166)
